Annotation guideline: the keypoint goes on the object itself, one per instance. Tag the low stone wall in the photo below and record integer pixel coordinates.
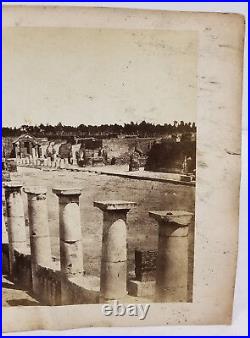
(81, 291)
(54, 288)
(5, 258)
(49, 283)
(22, 270)
(22, 267)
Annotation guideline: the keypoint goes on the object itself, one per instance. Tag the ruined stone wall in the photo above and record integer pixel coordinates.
(120, 148)
(169, 156)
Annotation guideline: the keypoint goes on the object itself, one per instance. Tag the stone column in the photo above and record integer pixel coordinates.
(4, 231)
(66, 162)
(34, 152)
(30, 148)
(39, 231)
(71, 254)
(16, 221)
(114, 249)
(172, 261)
(49, 162)
(32, 161)
(45, 162)
(62, 163)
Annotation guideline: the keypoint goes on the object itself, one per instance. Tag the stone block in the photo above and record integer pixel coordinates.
(145, 265)
(141, 289)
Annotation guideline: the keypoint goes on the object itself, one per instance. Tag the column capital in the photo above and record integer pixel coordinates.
(35, 190)
(66, 191)
(13, 185)
(178, 217)
(114, 205)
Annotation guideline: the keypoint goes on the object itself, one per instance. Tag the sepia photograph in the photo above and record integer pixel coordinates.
(99, 169)
(104, 146)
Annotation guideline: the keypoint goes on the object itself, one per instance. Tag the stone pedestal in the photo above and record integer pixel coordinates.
(71, 254)
(39, 231)
(16, 221)
(114, 249)
(143, 285)
(145, 265)
(172, 261)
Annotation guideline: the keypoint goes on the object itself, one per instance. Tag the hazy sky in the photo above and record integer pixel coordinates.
(91, 76)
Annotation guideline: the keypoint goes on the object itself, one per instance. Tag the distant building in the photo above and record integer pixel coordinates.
(28, 146)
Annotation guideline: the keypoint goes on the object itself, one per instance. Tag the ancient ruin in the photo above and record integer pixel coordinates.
(159, 275)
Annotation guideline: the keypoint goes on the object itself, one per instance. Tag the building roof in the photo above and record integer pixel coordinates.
(27, 137)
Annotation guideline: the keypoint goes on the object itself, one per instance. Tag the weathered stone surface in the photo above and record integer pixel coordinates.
(16, 221)
(114, 205)
(69, 217)
(180, 217)
(39, 231)
(114, 249)
(37, 211)
(71, 254)
(71, 258)
(40, 250)
(145, 265)
(138, 288)
(61, 191)
(4, 231)
(113, 280)
(172, 262)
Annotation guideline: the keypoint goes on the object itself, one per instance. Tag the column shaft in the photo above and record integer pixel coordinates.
(114, 255)
(172, 261)
(16, 221)
(4, 231)
(71, 254)
(39, 233)
(113, 284)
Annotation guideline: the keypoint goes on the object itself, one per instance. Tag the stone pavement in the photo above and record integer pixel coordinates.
(13, 296)
(122, 171)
